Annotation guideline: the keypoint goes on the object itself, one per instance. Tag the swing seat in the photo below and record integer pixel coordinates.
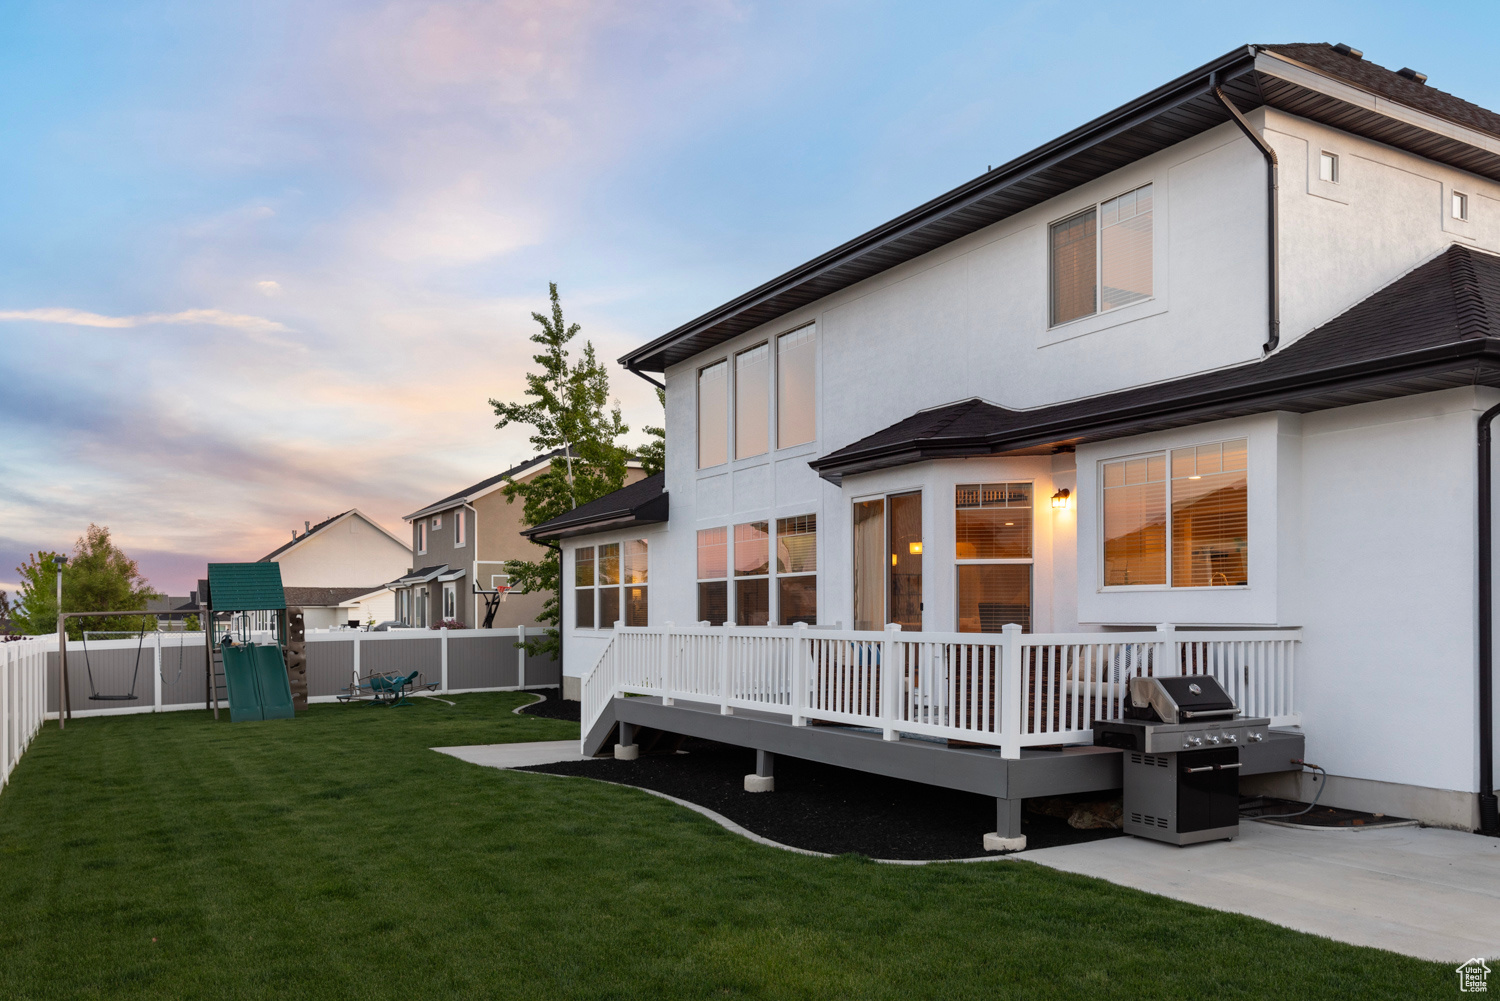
(113, 698)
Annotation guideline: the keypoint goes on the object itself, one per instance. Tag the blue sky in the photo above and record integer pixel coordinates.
(264, 262)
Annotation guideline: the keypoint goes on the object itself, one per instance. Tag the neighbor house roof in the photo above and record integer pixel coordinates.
(326, 523)
(643, 502)
(1328, 84)
(484, 486)
(420, 576)
(326, 597)
(1434, 328)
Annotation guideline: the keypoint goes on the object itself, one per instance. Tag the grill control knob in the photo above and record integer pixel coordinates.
(1194, 741)
(1213, 738)
(1233, 738)
(1257, 737)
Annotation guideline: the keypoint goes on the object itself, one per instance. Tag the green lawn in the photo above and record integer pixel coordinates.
(336, 856)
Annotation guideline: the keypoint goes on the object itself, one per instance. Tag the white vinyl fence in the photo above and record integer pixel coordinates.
(23, 687)
(1010, 690)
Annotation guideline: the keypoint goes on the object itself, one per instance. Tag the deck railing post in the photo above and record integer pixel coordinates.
(725, 709)
(1167, 665)
(666, 666)
(889, 680)
(799, 674)
(1010, 692)
(443, 655)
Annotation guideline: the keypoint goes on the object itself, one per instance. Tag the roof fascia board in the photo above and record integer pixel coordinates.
(448, 503)
(1284, 68)
(595, 527)
(1185, 88)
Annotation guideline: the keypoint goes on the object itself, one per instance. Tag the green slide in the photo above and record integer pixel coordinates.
(258, 683)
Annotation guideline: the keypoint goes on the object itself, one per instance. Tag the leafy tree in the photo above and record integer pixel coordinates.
(653, 454)
(569, 410)
(99, 577)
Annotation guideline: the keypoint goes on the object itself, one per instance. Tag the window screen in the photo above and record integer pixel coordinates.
(1074, 279)
(796, 372)
(1125, 248)
(713, 415)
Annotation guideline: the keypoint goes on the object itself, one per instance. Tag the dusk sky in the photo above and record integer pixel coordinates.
(264, 262)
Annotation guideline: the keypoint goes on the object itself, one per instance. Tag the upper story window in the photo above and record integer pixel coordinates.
(437, 521)
(1460, 205)
(460, 529)
(713, 575)
(796, 372)
(1100, 258)
(1328, 167)
(1196, 498)
(421, 537)
(752, 401)
(713, 415)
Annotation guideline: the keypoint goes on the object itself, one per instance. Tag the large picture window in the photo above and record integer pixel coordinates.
(1101, 258)
(993, 547)
(752, 402)
(752, 568)
(614, 575)
(1194, 496)
(713, 415)
(797, 569)
(796, 374)
(713, 576)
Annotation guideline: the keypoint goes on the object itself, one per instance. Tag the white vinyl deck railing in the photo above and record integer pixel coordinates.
(23, 697)
(1009, 690)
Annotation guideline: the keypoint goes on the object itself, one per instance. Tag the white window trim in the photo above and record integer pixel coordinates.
(1456, 198)
(460, 531)
(1337, 167)
(728, 362)
(1099, 521)
(598, 587)
(1097, 207)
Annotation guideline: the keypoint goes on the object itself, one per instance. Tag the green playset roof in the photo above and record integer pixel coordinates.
(245, 587)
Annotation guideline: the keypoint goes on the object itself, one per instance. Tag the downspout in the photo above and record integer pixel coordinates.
(1489, 814)
(473, 568)
(1273, 263)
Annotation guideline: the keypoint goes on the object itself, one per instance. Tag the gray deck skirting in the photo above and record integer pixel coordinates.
(1061, 772)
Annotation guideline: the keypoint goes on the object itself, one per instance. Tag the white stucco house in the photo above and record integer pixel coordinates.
(341, 567)
(1211, 366)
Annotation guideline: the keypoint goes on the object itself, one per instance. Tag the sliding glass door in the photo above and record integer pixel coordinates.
(888, 562)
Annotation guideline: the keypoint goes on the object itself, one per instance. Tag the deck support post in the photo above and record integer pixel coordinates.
(890, 681)
(626, 749)
(764, 778)
(1007, 836)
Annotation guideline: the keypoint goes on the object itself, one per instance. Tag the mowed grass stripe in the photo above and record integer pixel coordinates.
(336, 856)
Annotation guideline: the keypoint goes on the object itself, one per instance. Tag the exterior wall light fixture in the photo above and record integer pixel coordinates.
(915, 548)
(1060, 500)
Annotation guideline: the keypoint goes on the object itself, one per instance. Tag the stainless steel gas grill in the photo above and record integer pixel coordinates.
(1182, 739)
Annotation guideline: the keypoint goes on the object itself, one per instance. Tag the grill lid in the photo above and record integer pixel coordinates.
(1180, 700)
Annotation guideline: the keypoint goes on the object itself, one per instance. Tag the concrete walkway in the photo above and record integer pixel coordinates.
(1424, 892)
(538, 752)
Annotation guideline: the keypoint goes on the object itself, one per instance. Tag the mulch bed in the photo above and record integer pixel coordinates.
(553, 706)
(824, 808)
(1267, 808)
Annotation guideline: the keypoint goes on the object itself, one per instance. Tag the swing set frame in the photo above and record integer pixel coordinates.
(65, 700)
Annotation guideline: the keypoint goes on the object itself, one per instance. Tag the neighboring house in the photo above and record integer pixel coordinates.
(347, 550)
(1086, 393)
(463, 541)
(330, 607)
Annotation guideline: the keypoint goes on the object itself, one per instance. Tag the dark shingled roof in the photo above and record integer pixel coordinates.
(298, 538)
(474, 488)
(1434, 328)
(325, 596)
(643, 502)
(1252, 76)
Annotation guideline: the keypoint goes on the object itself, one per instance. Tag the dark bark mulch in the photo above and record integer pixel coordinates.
(824, 808)
(553, 706)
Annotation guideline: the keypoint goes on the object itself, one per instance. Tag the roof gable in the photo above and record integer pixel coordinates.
(245, 587)
(326, 524)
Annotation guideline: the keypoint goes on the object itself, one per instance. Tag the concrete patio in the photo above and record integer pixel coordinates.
(1424, 892)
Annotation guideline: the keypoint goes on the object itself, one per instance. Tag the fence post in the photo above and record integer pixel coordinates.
(1167, 664)
(443, 653)
(666, 666)
(354, 682)
(7, 704)
(724, 707)
(799, 674)
(1010, 692)
(156, 672)
(889, 680)
(521, 655)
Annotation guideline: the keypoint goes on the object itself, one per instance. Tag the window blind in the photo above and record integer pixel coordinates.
(713, 415)
(1125, 248)
(992, 521)
(1135, 521)
(1073, 266)
(1209, 516)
